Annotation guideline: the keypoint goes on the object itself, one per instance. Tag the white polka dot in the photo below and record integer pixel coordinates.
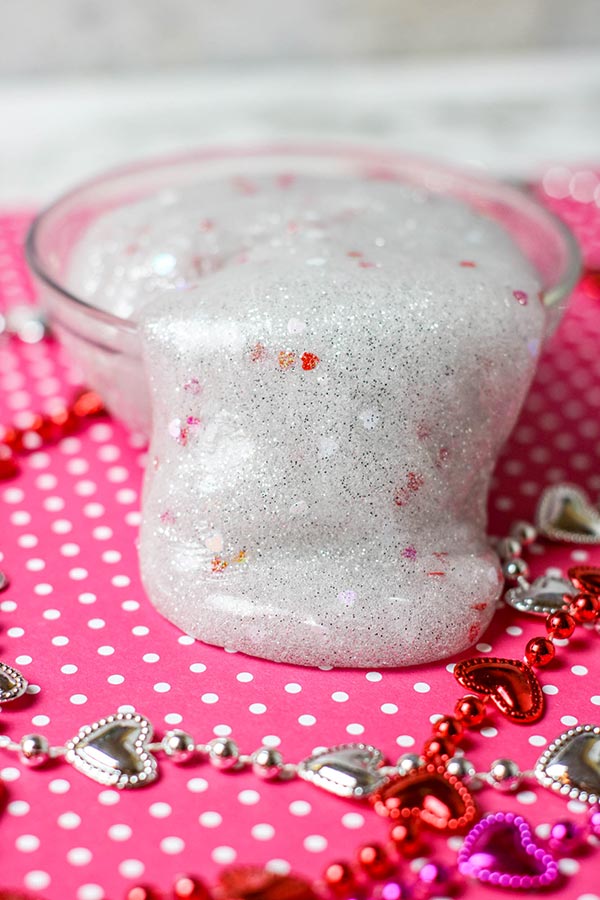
(172, 845)
(119, 832)
(51, 614)
(140, 630)
(23, 660)
(577, 806)
(588, 897)
(70, 549)
(244, 677)
(483, 647)
(151, 657)
(262, 832)
(293, 688)
(36, 880)
(79, 856)
(248, 797)
(96, 624)
(389, 709)
(69, 820)
(111, 556)
(43, 589)
(271, 740)
(15, 632)
(78, 699)
(8, 606)
(162, 687)
(27, 541)
(173, 718)
(78, 573)
(62, 526)
(160, 810)
(579, 670)
(27, 843)
(569, 720)
(527, 797)
(355, 728)
(102, 533)
(278, 866)
(131, 868)
(126, 495)
(306, 719)
(374, 676)
(126, 708)
(514, 630)
(405, 740)
(421, 687)
(106, 650)
(315, 843)
(40, 721)
(87, 597)
(197, 667)
(60, 640)
(300, 808)
(197, 785)
(550, 689)
(210, 819)
(59, 786)
(121, 581)
(595, 699)
(568, 866)
(35, 565)
(90, 892)
(543, 830)
(353, 820)
(93, 510)
(186, 640)
(489, 731)
(223, 855)
(130, 605)
(537, 740)
(340, 696)
(116, 679)
(10, 773)
(210, 698)
(18, 808)
(257, 708)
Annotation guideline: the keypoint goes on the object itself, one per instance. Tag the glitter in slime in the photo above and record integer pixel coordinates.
(334, 365)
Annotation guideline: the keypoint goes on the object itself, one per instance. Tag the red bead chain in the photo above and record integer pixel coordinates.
(36, 430)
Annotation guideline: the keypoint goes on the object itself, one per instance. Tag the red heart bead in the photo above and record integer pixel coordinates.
(429, 794)
(586, 579)
(253, 883)
(509, 683)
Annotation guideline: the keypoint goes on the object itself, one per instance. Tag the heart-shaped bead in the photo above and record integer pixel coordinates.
(565, 513)
(586, 579)
(113, 751)
(430, 794)
(571, 764)
(347, 770)
(12, 684)
(509, 683)
(252, 883)
(543, 597)
(499, 850)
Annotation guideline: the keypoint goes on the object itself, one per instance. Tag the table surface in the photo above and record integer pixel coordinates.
(76, 621)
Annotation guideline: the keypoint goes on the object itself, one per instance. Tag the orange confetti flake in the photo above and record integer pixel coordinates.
(287, 359)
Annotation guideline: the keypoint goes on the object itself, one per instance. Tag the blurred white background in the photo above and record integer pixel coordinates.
(505, 85)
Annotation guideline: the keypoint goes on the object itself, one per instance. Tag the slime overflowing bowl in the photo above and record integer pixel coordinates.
(327, 348)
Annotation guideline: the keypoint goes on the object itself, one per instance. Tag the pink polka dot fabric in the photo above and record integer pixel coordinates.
(76, 622)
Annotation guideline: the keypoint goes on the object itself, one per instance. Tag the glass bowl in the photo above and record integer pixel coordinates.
(108, 348)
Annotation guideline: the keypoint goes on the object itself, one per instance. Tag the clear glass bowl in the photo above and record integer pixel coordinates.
(107, 347)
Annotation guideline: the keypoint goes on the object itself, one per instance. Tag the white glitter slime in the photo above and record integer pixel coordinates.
(334, 366)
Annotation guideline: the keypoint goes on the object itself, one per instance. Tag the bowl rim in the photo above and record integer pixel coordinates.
(509, 192)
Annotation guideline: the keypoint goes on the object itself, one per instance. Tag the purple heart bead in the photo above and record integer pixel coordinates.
(499, 850)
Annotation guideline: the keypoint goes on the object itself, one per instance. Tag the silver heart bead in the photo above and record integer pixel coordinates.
(565, 513)
(571, 764)
(12, 683)
(347, 770)
(541, 598)
(113, 751)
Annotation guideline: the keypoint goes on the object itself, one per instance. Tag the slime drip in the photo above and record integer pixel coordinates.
(334, 365)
